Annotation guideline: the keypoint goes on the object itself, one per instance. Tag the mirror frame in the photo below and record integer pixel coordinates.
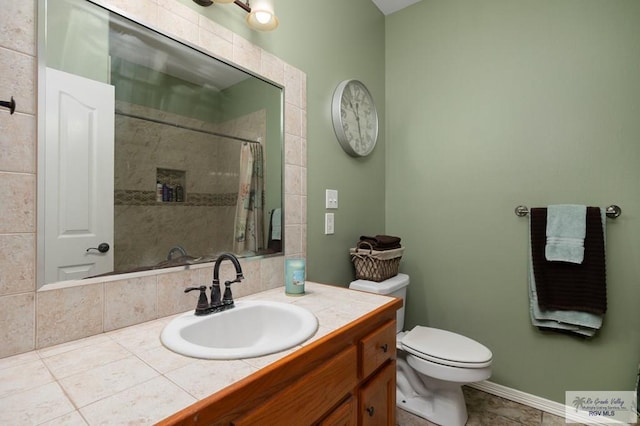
(291, 124)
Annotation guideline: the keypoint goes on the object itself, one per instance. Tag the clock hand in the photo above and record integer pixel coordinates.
(358, 121)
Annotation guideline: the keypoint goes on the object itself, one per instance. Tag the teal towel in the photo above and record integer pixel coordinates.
(581, 323)
(566, 228)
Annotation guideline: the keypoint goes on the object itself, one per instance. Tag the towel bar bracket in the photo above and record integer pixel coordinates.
(612, 211)
(522, 211)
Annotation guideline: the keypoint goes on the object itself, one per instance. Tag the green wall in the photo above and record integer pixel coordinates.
(330, 41)
(496, 103)
(484, 105)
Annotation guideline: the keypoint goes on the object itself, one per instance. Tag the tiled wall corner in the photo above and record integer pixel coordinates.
(294, 81)
(17, 323)
(17, 263)
(17, 178)
(18, 142)
(215, 39)
(295, 168)
(18, 207)
(178, 20)
(293, 149)
(272, 272)
(18, 79)
(17, 24)
(293, 117)
(146, 11)
(68, 314)
(246, 54)
(272, 68)
(293, 244)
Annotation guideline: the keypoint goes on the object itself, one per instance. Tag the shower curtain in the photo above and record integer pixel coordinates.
(249, 229)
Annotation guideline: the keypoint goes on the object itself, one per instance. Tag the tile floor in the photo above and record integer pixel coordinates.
(487, 409)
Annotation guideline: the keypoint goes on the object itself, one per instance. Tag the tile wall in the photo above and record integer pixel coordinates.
(203, 223)
(57, 313)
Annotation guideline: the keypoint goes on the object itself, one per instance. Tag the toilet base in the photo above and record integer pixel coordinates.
(446, 415)
(440, 405)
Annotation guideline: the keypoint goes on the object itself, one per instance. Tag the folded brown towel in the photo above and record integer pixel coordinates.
(381, 242)
(570, 286)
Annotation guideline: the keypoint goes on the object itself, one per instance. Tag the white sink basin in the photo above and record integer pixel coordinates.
(253, 328)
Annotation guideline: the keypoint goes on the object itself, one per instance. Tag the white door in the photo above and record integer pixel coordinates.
(78, 176)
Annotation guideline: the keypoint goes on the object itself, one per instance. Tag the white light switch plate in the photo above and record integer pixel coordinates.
(329, 223)
(331, 197)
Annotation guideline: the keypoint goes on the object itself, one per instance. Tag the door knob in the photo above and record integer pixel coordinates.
(102, 248)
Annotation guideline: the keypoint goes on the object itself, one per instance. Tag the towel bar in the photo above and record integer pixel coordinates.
(612, 211)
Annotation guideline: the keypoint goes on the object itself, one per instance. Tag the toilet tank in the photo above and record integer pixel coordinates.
(394, 286)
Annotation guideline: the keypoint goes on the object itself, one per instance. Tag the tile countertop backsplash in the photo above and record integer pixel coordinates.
(127, 376)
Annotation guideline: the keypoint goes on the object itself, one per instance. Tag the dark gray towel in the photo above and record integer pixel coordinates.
(380, 242)
(570, 286)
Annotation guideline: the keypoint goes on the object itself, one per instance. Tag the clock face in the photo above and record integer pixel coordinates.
(355, 119)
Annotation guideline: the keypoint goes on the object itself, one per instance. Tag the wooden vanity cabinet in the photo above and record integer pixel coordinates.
(345, 378)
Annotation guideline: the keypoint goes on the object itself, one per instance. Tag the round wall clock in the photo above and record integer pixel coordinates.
(355, 119)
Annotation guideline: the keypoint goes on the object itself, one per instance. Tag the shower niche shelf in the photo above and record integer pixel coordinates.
(170, 185)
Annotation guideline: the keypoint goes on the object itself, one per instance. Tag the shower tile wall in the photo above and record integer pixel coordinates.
(63, 311)
(145, 230)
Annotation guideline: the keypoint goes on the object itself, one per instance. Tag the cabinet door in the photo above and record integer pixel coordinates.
(377, 398)
(310, 397)
(345, 415)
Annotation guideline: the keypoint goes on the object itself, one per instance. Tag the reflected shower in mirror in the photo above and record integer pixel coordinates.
(165, 153)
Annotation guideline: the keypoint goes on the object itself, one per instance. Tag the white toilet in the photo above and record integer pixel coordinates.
(432, 364)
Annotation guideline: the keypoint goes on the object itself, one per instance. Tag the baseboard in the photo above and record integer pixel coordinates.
(533, 401)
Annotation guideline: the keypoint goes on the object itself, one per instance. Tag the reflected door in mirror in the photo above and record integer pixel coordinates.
(78, 176)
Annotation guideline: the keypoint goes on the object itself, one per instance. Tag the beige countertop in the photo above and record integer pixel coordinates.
(126, 376)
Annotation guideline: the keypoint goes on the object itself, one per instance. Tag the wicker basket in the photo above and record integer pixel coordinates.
(374, 265)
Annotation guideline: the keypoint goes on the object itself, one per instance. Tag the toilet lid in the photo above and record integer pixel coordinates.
(445, 347)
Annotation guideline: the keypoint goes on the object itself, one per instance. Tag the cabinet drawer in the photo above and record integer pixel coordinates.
(310, 397)
(377, 347)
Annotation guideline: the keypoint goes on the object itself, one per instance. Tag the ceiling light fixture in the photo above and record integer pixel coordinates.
(260, 16)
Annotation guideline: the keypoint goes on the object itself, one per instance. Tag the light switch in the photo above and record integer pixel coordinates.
(331, 196)
(329, 223)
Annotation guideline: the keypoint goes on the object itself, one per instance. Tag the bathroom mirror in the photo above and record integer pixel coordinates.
(151, 153)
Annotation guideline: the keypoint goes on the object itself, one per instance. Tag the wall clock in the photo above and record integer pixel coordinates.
(355, 119)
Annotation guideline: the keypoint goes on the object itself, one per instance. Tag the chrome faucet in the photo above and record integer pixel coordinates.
(227, 297)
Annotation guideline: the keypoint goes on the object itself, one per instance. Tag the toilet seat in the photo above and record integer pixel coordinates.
(445, 347)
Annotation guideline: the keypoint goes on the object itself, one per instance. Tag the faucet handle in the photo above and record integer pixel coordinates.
(227, 299)
(203, 303)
